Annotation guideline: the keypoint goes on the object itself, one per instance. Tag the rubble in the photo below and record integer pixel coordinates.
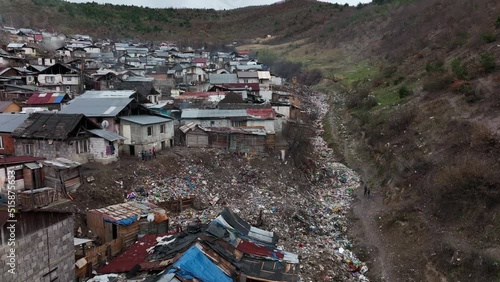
(307, 209)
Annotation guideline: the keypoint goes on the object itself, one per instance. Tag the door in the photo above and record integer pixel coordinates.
(127, 134)
(132, 150)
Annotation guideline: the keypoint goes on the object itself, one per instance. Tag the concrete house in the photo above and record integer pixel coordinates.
(60, 78)
(54, 135)
(143, 132)
(105, 107)
(248, 77)
(44, 245)
(8, 123)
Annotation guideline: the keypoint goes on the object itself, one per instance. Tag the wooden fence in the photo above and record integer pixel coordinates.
(98, 255)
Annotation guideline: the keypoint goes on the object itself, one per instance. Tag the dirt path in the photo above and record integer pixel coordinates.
(366, 233)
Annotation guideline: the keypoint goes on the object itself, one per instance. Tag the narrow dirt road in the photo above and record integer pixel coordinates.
(365, 230)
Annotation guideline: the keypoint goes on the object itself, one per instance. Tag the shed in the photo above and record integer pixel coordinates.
(62, 174)
(195, 136)
(124, 220)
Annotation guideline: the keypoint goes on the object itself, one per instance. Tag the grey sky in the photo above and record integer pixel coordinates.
(208, 4)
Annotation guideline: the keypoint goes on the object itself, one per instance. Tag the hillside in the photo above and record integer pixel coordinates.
(414, 85)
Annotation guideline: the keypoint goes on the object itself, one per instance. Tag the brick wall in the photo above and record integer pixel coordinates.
(8, 144)
(40, 252)
(98, 149)
(58, 149)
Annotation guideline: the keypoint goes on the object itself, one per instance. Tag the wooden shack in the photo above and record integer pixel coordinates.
(62, 174)
(122, 221)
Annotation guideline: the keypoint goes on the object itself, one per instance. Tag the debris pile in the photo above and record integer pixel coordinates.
(307, 209)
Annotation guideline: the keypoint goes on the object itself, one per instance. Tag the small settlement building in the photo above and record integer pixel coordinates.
(8, 123)
(124, 221)
(239, 139)
(54, 135)
(9, 107)
(143, 132)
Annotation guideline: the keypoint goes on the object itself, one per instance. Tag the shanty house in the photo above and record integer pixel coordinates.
(8, 123)
(243, 140)
(9, 107)
(143, 132)
(54, 135)
(214, 117)
(27, 174)
(122, 221)
(52, 101)
(62, 174)
(104, 146)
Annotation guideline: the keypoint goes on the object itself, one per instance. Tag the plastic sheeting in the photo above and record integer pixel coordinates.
(194, 264)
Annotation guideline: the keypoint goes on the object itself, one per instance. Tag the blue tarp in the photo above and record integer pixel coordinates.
(194, 264)
(125, 221)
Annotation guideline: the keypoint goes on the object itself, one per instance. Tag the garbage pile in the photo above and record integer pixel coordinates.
(307, 209)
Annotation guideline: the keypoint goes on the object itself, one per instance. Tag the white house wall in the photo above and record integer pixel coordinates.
(268, 125)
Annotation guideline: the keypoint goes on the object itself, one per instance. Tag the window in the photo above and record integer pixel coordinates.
(28, 149)
(162, 128)
(82, 146)
(236, 123)
(150, 130)
(1, 142)
(68, 78)
(49, 79)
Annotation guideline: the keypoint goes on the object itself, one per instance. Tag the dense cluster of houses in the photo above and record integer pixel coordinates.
(69, 100)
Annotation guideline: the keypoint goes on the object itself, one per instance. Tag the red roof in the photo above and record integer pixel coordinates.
(136, 254)
(267, 113)
(46, 98)
(258, 250)
(199, 61)
(19, 159)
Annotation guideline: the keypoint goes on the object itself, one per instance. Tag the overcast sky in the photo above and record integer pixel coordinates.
(208, 4)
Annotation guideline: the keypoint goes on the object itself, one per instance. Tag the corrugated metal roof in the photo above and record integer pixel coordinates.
(145, 119)
(139, 79)
(267, 113)
(96, 107)
(4, 105)
(264, 74)
(247, 74)
(108, 135)
(19, 159)
(9, 122)
(108, 94)
(211, 113)
(61, 163)
(222, 78)
(47, 98)
(16, 45)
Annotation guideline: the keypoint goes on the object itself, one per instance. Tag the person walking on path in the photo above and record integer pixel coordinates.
(154, 152)
(367, 192)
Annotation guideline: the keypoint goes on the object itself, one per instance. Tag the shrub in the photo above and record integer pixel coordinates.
(401, 118)
(435, 66)
(399, 80)
(404, 92)
(437, 83)
(459, 69)
(470, 94)
(311, 77)
(389, 71)
(487, 61)
(489, 37)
